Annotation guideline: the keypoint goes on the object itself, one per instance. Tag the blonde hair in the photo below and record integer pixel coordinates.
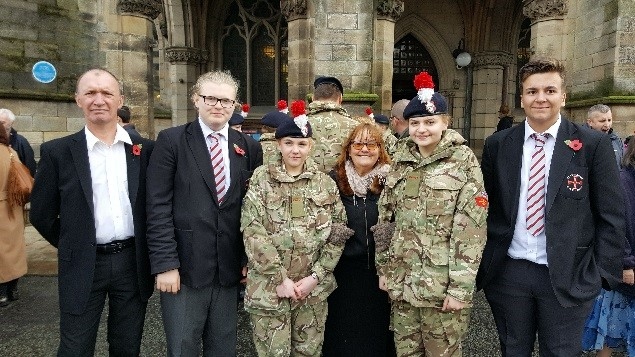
(218, 77)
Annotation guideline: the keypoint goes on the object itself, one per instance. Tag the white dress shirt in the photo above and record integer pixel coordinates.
(109, 178)
(524, 245)
(224, 145)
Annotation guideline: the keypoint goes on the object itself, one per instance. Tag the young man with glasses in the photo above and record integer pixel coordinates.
(198, 178)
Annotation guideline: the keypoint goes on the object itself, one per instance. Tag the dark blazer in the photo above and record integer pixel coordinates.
(187, 229)
(62, 211)
(585, 228)
(24, 150)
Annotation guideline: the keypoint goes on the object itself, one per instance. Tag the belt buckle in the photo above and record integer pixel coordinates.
(117, 248)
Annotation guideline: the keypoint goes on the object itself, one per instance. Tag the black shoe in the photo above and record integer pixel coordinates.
(4, 301)
(13, 295)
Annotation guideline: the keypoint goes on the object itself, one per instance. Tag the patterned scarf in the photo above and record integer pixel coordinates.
(360, 184)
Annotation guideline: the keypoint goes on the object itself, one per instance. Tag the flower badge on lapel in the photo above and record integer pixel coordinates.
(136, 149)
(239, 150)
(574, 144)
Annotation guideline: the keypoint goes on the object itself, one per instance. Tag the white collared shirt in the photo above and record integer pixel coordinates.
(524, 245)
(224, 145)
(109, 179)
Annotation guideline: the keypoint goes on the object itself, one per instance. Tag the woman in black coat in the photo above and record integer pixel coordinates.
(358, 311)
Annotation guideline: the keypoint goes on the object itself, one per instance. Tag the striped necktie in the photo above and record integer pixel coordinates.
(536, 187)
(218, 165)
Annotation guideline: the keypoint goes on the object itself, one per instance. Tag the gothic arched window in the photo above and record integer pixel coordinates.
(409, 57)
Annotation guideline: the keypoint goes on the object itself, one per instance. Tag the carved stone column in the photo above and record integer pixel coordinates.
(300, 40)
(388, 12)
(489, 89)
(547, 27)
(184, 69)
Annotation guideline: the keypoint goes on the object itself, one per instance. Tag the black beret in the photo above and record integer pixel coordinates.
(124, 113)
(437, 105)
(274, 119)
(289, 128)
(236, 119)
(381, 119)
(331, 80)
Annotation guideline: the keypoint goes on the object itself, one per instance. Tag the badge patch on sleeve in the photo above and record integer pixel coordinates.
(481, 199)
(574, 182)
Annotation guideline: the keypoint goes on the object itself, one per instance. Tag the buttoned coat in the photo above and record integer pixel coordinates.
(62, 211)
(584, 221)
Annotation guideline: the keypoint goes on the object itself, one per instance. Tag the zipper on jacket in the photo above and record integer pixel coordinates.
(367, 240)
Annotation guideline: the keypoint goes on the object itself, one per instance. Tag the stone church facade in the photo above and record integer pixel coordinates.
(276, 48)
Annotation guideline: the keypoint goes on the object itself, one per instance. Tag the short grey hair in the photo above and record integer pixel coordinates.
(598, 108)
(8, 113)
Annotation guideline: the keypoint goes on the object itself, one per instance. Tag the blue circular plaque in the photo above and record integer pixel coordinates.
(44, 72)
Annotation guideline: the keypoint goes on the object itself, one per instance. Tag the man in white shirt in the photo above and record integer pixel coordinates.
(89, 201)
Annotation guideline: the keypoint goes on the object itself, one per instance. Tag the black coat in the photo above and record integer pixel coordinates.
(187, 228)
(24, 150)
(628, 183)
(62, 211)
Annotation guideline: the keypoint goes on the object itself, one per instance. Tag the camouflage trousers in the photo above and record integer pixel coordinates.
(299, 332)
(428, 331)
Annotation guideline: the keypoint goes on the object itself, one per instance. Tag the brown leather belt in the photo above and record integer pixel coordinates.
(114, 247)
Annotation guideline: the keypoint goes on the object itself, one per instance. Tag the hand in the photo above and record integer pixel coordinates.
(244, 275)
(304, 287)
(382, 283)
(286, 289)
(628, 276)
(452, 304)
(169, 281)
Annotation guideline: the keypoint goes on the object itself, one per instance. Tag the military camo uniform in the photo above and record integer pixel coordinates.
(331, 125)
(439, 208)
(390, 142)
(270, 152)
(286, 222)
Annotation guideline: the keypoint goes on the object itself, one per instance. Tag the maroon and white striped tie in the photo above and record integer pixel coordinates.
(218, 165)
(536, 187)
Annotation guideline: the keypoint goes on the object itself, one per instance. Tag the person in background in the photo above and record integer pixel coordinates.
(359, 312)
(236, 122)
(88, 201)
(294, 229)
(609, 327)
(123, 114)
(435, 203)
(269, 123)
(399, 126)
(330, 121)
(13, 264)
(18, 142)
(383, 123)
(555, 228)
(600, 118)
(505, 120)
(197, 178)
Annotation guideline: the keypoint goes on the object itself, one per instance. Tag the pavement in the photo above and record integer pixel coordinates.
(29, 326)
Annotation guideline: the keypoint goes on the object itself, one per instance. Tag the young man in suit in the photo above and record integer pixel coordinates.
(89, 201)
(198, 178)
(555, 227)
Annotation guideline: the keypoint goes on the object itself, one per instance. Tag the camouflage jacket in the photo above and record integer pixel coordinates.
(439, 206)
(270, 152)
(331, 125)
(286, 222)
(390, 142)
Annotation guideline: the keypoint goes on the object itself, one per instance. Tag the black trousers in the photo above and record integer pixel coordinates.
(116, 278)
(523, 303)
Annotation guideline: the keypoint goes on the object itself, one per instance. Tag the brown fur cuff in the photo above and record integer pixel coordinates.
(383, 235)
(339, 234)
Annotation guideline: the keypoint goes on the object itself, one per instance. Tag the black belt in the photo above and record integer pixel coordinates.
(114, 246)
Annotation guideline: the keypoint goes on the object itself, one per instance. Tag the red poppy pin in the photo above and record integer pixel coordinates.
(239, 150)
(136, 149)
(481, 199)
(574, 144)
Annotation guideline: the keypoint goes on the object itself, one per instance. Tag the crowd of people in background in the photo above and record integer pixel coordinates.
(363, 236)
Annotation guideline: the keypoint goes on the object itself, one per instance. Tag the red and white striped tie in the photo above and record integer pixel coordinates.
(218, 165)
(536, 188)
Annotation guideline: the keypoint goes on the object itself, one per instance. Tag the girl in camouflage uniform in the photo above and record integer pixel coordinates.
(294, 231)
(435, 199)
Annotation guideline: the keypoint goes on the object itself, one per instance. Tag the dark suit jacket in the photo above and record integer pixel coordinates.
(187, 229)
(24, 150)
(584, 229)
(62, 211)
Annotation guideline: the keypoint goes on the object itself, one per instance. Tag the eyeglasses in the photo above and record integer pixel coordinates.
(211, 101)
(359, 146)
